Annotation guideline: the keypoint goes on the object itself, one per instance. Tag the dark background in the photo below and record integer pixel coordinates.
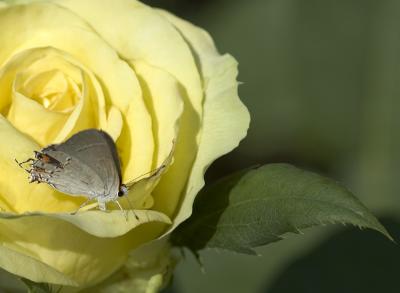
(322, 83)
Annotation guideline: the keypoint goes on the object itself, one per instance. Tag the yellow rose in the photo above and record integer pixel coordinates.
(144, 76)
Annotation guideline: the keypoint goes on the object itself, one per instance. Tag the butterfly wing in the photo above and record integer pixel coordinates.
(90, 165)
(70, 176)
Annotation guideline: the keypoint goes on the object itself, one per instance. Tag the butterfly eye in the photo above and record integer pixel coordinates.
(123, 190)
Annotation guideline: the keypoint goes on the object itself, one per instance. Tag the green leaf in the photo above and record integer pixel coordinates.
(40, 287)
(257, 206)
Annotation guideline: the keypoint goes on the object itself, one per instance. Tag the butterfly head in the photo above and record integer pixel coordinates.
(123, 190)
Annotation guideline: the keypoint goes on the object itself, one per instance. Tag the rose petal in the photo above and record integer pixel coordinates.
(102, 224)
(225, 119)
(41, 124)
(136, 143)
(164, 98)
(147, 270)
(21, 264)
(42, 254)
(114, 123)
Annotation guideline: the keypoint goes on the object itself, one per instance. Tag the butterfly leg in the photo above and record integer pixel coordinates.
(102, 206)
(82, 205)
(122, 210)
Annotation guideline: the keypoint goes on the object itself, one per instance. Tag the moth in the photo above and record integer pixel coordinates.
(87, 164)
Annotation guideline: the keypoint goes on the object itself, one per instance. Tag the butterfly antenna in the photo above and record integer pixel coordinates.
(132, 208)
(120, 207)
(155, 171)
(147, 173)
(24, 162)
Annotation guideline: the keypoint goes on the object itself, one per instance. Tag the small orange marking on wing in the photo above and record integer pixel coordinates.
(45, 158)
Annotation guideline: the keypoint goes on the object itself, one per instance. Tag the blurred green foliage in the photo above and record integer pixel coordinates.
(343, 263)
(322, 82)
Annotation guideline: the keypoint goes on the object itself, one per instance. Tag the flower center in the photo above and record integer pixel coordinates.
(52, 89)
(46, 94)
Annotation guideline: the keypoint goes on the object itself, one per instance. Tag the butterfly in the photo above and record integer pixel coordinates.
(87, 164)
